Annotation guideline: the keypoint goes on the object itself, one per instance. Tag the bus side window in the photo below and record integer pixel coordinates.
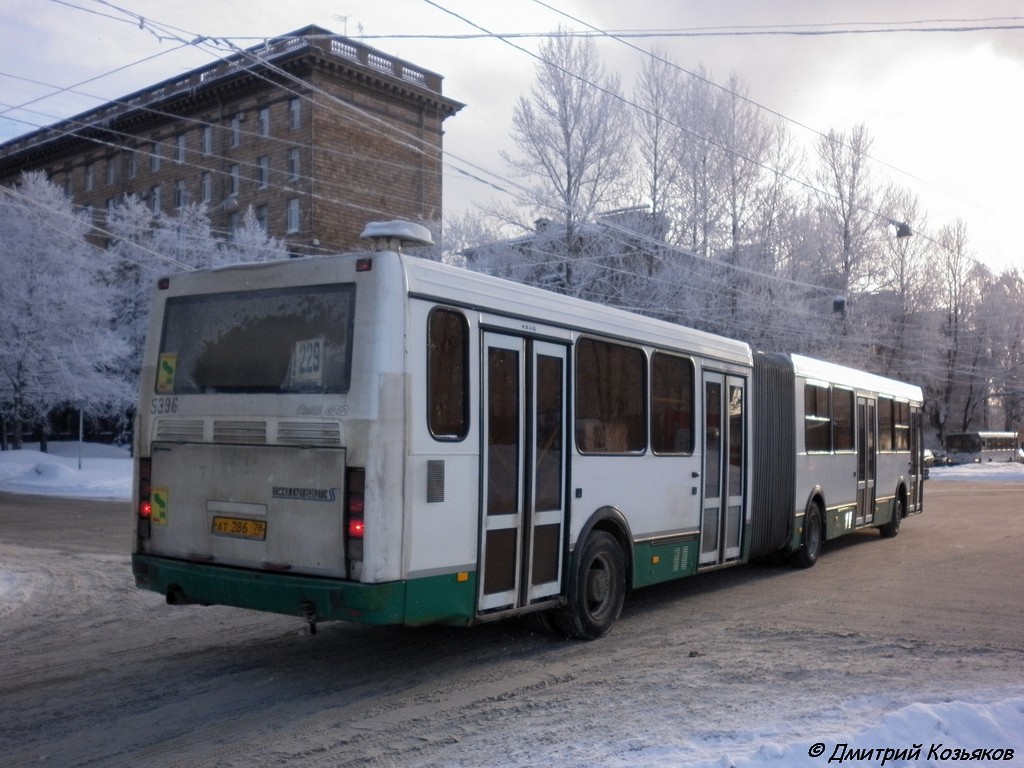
(901, 427)
(610, 398)
(671, 404)
(817, 419)
(842, 420)
(447, 375)
(885, 424)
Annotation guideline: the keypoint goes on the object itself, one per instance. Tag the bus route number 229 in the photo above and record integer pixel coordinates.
(307, 361)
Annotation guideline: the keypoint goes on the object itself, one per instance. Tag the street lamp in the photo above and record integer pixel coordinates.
(903, 230)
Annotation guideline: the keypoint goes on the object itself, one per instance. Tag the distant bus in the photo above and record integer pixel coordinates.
(384, 439)
(975, 447)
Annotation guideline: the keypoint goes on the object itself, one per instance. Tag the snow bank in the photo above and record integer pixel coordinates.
(990, 472)
(957, 725)
(106, 471)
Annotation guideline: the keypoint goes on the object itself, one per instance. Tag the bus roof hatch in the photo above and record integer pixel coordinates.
(394, 235)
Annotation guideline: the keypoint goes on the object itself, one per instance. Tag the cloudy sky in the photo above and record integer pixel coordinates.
(944, 107)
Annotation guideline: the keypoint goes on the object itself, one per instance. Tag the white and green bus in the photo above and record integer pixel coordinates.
(981, 447)
(383, 439)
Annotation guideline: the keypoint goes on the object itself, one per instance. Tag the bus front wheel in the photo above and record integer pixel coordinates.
(807, 555)
(891, 529)
(598, 589)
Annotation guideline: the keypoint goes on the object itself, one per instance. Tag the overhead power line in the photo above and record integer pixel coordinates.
(1006, 23)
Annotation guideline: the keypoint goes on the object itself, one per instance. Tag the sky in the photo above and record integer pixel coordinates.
(944, 108)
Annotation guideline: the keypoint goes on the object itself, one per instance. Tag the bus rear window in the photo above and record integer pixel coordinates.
(270, 341)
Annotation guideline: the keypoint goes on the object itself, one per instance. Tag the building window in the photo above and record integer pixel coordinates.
(207, 140)
(234, 223)
(293, 215)
(294, 113)
(263, 171)
(264, 121)
(294, 166)
(132, 163)
(180, 194)
(206, 187)
(88, 177)
(154, 157)
(236, 130)
(234, 180)
(154, 199)
(179, 148)
(261, 217)
(111, 171)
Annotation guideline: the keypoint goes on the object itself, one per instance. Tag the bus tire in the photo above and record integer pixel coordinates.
(597, 591)
(814, 527)
(892, 529)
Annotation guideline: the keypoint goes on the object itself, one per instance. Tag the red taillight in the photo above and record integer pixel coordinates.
(145, 509)
(355, 507)
(145, 487)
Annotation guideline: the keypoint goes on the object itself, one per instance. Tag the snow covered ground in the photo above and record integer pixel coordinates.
(953, 731)
(106, 471)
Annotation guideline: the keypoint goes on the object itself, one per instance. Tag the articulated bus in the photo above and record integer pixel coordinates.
(977, 447)
(383, 439)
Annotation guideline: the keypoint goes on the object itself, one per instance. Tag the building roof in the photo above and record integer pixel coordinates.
(248, 69)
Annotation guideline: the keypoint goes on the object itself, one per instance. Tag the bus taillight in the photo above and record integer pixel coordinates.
(355, 519)
(145, 508)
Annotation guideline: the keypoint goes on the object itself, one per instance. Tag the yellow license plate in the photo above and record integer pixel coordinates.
(240, 527)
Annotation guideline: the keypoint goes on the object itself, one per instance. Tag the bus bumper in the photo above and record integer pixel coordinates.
(444, 599)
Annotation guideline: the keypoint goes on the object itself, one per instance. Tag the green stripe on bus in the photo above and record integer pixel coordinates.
(655, 562)
(429, 600)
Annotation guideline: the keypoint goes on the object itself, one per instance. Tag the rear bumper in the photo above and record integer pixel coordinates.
(441, 599)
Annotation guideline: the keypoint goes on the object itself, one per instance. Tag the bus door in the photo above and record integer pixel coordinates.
(523, 461)
(867, 460)
(724, 468)
(916, 494)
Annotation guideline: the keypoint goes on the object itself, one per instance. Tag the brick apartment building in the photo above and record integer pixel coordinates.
(318, 133)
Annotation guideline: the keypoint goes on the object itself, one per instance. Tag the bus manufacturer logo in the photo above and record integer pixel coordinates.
(305, 494)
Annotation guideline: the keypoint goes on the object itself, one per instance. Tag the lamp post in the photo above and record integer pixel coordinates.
(903, 230)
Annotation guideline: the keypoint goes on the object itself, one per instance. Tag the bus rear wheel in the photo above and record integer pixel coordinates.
(814, 527)
(598, 589)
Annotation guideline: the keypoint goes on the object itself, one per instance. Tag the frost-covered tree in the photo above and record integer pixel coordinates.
(901, 327)
(249, 243)
(846, 194)
(1005, 301)
(57, 347)
(574, 137)
(962, 388)
(658, 137)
